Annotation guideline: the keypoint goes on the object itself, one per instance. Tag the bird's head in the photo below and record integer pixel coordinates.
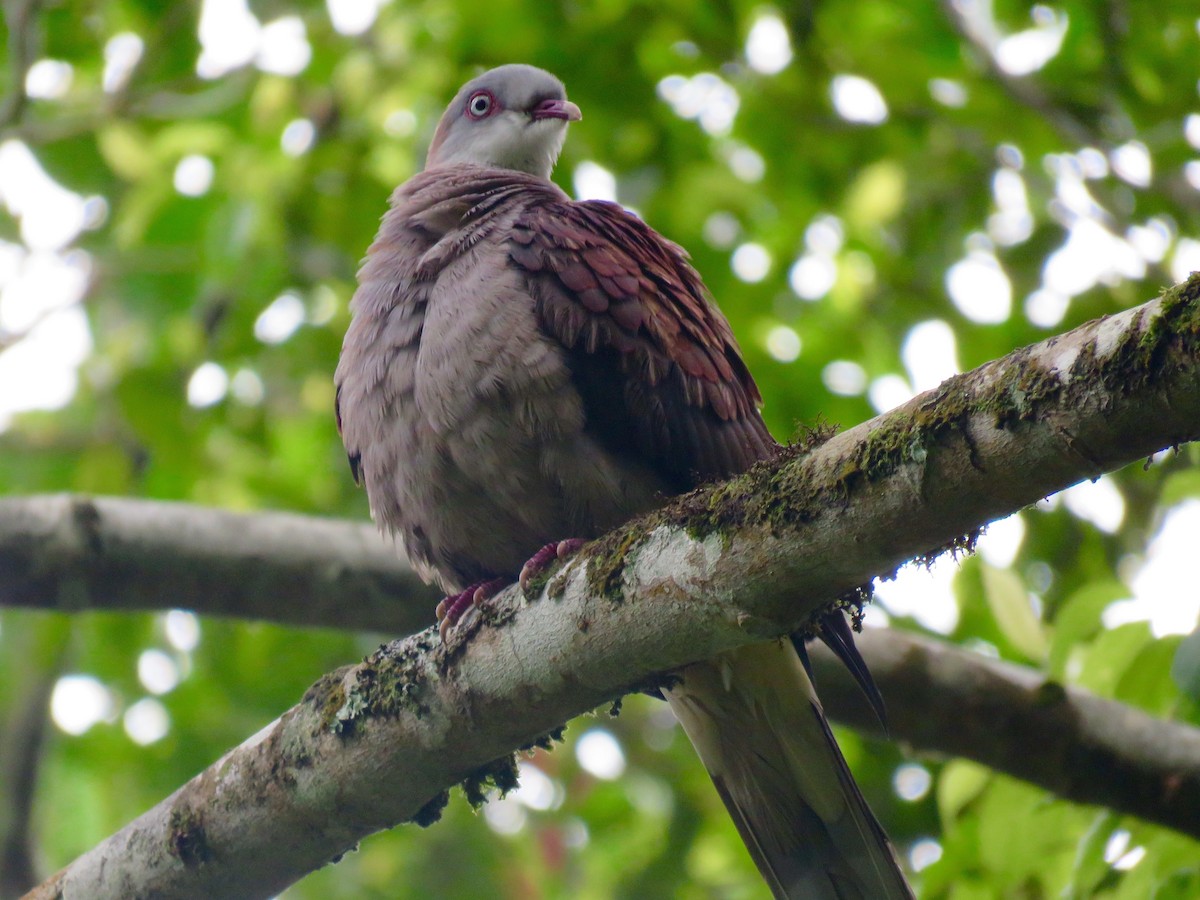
(511, 117)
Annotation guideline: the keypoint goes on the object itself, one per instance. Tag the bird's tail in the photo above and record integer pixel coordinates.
(755, 720)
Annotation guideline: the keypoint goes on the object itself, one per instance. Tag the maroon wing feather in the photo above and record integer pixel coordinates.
(654, 359)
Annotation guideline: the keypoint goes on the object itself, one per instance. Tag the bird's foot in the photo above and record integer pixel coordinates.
(540, 561)
(453, 606)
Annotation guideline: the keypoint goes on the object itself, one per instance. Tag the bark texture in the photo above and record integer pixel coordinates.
(73, 553)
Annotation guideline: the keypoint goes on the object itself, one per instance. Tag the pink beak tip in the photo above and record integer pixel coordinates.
(557, 109)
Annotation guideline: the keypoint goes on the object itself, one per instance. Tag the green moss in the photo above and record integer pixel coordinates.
(349, 713)
(327, 697)
(795, 493)
(556, 588)
(1146, 356)
(606, 557)
(1027, 388)
(385, 684)
(765, 493)
(537, 583)
(961, 545)
(808, 437)
(854, 601)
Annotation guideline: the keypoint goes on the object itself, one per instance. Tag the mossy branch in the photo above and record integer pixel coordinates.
(378, 743)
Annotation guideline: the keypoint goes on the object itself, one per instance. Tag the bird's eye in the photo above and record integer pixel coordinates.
(480, 105)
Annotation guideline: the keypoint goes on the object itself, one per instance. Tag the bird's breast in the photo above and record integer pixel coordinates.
(476, 452)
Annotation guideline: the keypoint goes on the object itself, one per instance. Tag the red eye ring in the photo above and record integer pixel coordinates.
(481, 104)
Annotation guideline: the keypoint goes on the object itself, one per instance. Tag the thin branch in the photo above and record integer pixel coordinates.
(1023, 90)
(21, 20)
(380, 742)
(1013, 719)
(1070, 128)
(22, 738)
(70, 553)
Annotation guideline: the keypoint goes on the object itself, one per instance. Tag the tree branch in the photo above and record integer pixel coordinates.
(379, 743)
(41, 653)
(21, 19)
(1013, 719)
(1071, 129)
(171, 553)
(70, 553)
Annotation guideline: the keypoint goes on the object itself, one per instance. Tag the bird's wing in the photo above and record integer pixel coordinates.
(653, 358)
(662, 379)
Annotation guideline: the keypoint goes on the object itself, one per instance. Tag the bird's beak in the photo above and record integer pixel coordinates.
(557, 109)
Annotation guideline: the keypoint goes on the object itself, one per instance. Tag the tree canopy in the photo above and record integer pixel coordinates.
(877, 194)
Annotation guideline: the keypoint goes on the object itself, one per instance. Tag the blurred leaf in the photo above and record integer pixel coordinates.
(1147, 683)
(1111, 655)
(1090, 866)
(1008, 600)
(876, 195)
(1185, 668)
(1078, 620)
(1180, 486)
(1024, 836)
(961, 781)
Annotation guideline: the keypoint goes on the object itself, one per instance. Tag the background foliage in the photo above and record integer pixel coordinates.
(1031, 168)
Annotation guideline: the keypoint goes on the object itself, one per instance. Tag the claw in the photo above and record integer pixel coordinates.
(537, 564)
(541, 560)
(569, 547)
(452, 606)
(487, 590)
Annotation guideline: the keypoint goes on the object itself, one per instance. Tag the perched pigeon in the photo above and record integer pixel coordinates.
(522, 372)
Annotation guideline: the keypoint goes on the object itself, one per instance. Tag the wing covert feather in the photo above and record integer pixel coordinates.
(652, 355)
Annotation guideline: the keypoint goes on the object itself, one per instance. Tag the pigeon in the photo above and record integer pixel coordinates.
(523, 372)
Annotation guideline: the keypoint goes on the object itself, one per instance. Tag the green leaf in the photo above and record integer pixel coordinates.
(1180, 486)
(1008, 600)
(1111, 655)
(1147, 683)
(959, 782)
(877, 195)
(1079, 619)
(1025, 836)
(1090, 866)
